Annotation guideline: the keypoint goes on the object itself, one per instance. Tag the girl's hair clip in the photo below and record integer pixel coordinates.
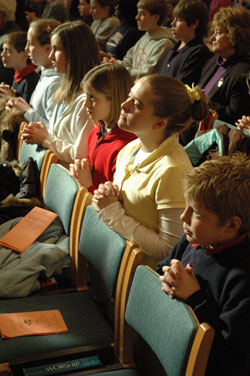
(193, 93)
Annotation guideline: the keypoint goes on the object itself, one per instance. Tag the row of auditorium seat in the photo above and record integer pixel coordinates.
(169, 327)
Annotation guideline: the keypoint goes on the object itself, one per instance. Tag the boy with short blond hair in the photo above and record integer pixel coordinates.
(15, 56)
(209, 268)
(145, 56)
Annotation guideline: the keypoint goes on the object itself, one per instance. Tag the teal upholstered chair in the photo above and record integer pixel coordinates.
(87, 325)
(66, 197)
(60, 194)
(168, 326)
(34, 151)
(43, 158)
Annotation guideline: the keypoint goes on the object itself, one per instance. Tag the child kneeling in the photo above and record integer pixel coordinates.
(209, 268)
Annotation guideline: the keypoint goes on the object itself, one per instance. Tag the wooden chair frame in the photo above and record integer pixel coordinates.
(208, 122)
(78, 267)
(19, 139)
(199, 353)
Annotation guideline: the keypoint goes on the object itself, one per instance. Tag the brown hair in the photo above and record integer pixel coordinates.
(108, 3)
(222, 186)
(81, 53)
(42, 29)
(172, 101)
(236, 22)
(18, 39)
(192, 11)
(115, 82)
(158, 7)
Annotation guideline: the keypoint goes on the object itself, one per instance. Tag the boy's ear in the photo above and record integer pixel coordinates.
(194, 25)
(234, 224)
(107, 8)
(156, 18)
(160, 124)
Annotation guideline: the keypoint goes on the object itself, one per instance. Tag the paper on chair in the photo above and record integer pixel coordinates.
(31, 323)
(24, 233)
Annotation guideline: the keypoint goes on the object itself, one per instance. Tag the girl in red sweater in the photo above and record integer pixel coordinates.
(106, 87)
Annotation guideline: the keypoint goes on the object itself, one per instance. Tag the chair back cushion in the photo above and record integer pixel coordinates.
(34, 151)
(60, 193)
(102, 247)
(167, 325)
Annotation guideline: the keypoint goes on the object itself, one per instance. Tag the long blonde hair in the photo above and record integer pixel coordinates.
(114, 81)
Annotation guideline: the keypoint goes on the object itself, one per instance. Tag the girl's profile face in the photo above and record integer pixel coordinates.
(97, 11)
(38, 54)
(96, 104)
(137, 112)
(84, 8)
(57, 55)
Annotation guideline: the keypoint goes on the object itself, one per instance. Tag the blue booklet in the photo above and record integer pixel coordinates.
(67, 366)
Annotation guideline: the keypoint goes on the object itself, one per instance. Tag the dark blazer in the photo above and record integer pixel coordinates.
(26, 86)
(229, 96)
(186, 64)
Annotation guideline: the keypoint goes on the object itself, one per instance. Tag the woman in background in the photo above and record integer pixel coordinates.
(223, 76)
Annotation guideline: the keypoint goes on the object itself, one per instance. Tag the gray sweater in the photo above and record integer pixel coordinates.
(146, 55)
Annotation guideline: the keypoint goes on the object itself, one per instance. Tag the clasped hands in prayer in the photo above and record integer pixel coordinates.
(106, 194)
(244, 123)
(17, 103)
(81, 170)
(34, 133)
(5, 90)
(178, 281)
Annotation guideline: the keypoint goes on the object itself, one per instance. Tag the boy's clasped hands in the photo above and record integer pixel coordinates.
(178, 281)
(17, 103)
(5, 90)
